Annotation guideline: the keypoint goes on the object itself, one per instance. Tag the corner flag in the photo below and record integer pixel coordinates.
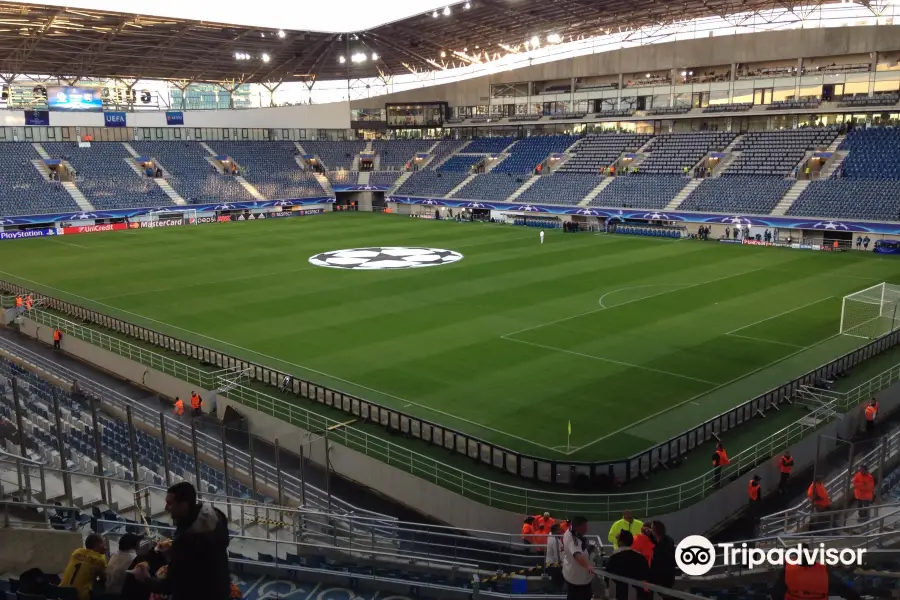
(570, 427)
(569, 437)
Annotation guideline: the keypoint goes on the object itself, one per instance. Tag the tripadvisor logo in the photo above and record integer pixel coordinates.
(695, 556)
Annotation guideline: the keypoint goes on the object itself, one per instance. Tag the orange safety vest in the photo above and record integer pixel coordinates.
(723, 458)
(527, 533)
(57, 335)
(753, 490)
(28, 302)
(540, 535)
(818, 495)
(18, 301)
(195, 401)
(564, 526)
(643, 545)
(806, 583)
(787, 465)
(870, 413)
(864, 487)
(179, 407)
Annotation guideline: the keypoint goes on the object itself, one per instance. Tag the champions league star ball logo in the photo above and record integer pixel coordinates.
(385, 258)
(830, 225)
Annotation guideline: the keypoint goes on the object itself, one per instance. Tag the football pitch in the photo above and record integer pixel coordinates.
(632, 340)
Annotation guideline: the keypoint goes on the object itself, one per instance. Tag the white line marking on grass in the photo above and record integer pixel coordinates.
(636, 287)
(284, 362)
(610, 360)
(58, 241)
(687, 287)
(781, 314)
(756, 339)
(693, 400)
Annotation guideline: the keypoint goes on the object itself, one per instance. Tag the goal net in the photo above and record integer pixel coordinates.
(872, 312)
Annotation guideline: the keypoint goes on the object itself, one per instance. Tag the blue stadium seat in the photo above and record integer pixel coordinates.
(649, 191)
(272, 168)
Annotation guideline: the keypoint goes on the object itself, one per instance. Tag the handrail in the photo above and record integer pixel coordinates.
(509, 497)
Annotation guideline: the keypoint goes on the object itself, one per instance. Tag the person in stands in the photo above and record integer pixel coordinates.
(719, 460)
(553, 556)
(196, 405)
(626, 562)
(626, 523)
(57, 338)
(198, 563)
(644, 543)
(528, 530)
(864, 491)
(179, 406)
(86, 567)
(120, 563)
(807, 581)
(577, 569)
(663, 565)
(785, 466)
(871, 413)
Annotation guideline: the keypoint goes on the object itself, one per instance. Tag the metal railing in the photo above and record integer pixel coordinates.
(501, 495)
(259, 472)
(801, 515)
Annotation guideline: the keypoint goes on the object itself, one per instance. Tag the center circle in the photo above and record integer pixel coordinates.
(385, 258)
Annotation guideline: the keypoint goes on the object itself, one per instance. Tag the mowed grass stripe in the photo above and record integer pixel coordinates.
(431, 338)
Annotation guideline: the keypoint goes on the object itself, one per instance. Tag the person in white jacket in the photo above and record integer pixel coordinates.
(120, 562)
(553, 557)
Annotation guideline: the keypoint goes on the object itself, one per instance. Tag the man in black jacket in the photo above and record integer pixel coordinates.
(198, 564)
(625, 562)
(662, 567)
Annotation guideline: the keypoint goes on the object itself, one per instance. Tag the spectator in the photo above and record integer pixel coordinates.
(553, 556)
(626, 523)
(120, 562)
(198, 567)
(155, 559)
(662, 567)
(625, 562)
(86, 567)
(643, 543)
(577, 569)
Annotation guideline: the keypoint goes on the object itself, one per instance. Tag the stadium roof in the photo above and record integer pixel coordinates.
(79, 43)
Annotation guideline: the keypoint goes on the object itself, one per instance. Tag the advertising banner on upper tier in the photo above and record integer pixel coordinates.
(37, 117)
(114, 119)
(72, 98)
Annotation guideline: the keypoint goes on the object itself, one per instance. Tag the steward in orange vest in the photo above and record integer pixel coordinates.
(818, 495)
(644, 543)
(57, 338)
(753, 489)
(179, 406)
(810, 582)
(19, 302)
(196, 404)
(29, 303)
(719, 459)
(528, 530)
(785, 465)
(871, 413)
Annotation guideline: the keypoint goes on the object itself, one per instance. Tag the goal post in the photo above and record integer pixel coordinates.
(872, 312)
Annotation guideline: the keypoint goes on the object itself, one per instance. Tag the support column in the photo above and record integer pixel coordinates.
(797, 79)
(619, 94)
(731, 80)
(873, 66)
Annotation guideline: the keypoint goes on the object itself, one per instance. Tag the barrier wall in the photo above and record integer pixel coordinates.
(47, 550)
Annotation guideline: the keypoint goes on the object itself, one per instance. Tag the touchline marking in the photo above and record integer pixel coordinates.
(755, 339)
(781, 314)
(590, 312)
(69, 243)
(282, 361)
(610, 360)
(693, 399)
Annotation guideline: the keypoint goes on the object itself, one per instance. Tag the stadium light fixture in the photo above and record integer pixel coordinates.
(262, 34)
(467, 5)
(375, 56)
(266, 58)
(358, 57)
(446, 11)
(434, 15)
(648, 75)
(341, 59)
(553, 38)
(281, 33)
(535, 42)
(684, 73)
(443, 54)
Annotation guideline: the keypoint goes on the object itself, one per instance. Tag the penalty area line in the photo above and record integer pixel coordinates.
(285, 362)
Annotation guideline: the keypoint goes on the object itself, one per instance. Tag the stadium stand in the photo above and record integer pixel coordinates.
(722, 108)
(560, 189)
(669, 110)
(530, 152)
(876, 100)
(191, 174)
(738, 194)
(383, 177)
(621, 112)
(869, 182)
(488, 145)
(650, 192)
(461, 163)
(271, 168)
(430, 184)
(25, 191)
(105, 178)
(777, 152)
(334, 155)
(395, 154)
(671, 153)
(597, 151)
(342, 177)
(793, 105)
(444, 149)
(491, 186)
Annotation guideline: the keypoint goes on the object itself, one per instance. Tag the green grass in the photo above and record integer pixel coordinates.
(632, 339)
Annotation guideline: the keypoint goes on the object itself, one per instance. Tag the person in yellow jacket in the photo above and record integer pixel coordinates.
(626, 523)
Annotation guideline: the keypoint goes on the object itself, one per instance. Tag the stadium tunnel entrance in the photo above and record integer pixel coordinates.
(367, 201)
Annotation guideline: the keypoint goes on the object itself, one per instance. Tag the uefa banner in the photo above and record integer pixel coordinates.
(114, 119)
(37, 117)
(174, 117)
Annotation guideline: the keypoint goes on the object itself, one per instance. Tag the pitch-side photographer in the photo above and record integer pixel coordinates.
(577, 568)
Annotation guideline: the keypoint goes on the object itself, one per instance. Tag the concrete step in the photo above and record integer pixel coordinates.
(77, 196)
(836, 160)
(681, 196)
(363, 178)
(326, 185)
(400, 180)
(249, 187)
(130, 149)
(300, 148)
(40, 150)
(836, 143)
(725, 163)
(206, 147)
(596, 191)
(734, 143)
(134, 167)
(460, 186)
(42, 168)
(522, 188)
(790, 197)
(170, 191)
